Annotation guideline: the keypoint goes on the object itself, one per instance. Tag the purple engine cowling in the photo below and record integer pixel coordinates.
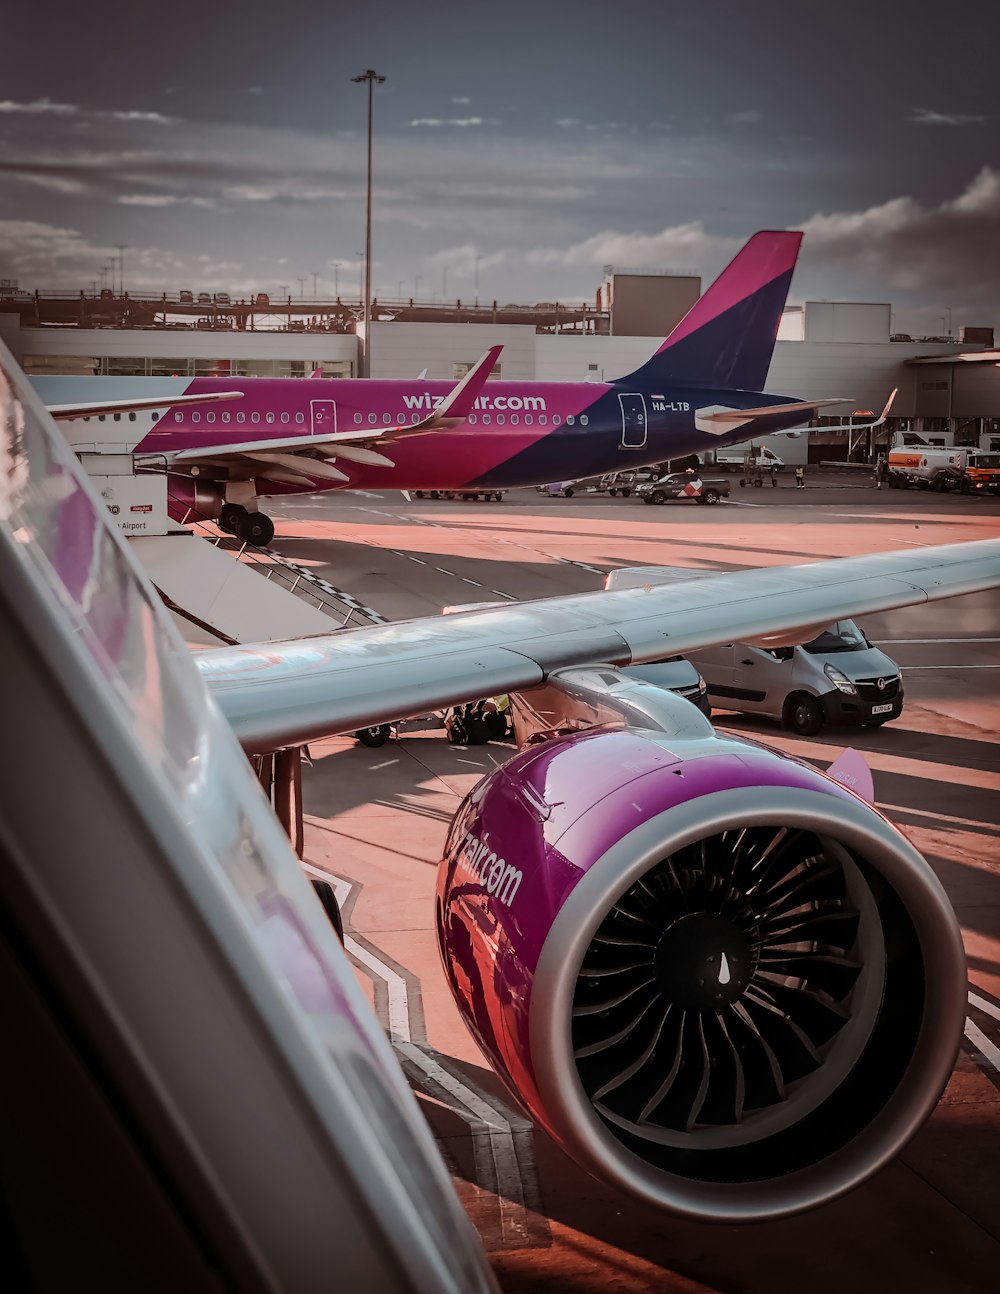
(716, 977)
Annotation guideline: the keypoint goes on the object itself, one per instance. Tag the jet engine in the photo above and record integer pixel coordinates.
(716, 977)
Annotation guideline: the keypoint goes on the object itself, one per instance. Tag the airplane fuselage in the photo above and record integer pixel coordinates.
(519, 433)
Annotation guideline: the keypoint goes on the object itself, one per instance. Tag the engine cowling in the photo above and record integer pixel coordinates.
(716, 977)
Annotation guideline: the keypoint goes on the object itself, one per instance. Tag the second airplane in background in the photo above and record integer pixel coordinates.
(225, 442)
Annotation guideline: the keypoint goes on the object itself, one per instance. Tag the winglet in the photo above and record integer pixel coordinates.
(851, 770)
(456, 405)
(462, 400)
(888, 405)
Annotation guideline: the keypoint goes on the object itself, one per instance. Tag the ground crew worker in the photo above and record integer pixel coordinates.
(774, 476)
(800, 477)
(881, 471)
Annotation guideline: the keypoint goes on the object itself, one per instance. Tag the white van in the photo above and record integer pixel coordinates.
(836, 678)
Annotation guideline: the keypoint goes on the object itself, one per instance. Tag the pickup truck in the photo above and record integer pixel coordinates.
(682, 485)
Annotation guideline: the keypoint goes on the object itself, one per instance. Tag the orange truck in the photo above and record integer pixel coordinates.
(972, 471)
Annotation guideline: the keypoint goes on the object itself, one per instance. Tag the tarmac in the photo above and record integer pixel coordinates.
(376, 820)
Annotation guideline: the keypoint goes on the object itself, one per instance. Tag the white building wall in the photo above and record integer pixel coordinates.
(192, 343)
(847, 321)
(402, 350)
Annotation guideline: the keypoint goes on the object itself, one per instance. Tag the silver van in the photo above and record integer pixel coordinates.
(836, 678)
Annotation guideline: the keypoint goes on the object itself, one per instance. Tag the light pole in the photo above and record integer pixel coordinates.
(372, 78)
(478, 259)
(315, 276)
(399, 290)
(302, 287)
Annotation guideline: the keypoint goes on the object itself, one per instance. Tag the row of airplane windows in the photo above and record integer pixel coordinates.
(514, 419)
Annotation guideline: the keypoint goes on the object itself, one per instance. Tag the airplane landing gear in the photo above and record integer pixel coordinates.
(252, 527)
(256, 529)
(231, 518)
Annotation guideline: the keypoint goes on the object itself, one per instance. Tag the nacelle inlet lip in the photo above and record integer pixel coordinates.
(568, 1108)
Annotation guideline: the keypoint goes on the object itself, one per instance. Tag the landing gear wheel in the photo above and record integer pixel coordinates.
(477, 730)
(803, 714)
(457, 734)
(256, 529)
(231, 517)
(375, 736)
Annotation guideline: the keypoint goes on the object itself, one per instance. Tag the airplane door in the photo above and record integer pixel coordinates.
(633, 421)
(324, 417)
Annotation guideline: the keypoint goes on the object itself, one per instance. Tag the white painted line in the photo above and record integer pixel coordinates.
(373, 767)
(419, 560)
(983, 1045)
(474, 762)
(917, 669)
(983, 1005)
(937, 817)
(500, 594)
(443, 571)
(474, 583)
(913, 642)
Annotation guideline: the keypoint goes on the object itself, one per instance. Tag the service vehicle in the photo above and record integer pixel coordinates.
(837, 677)
(970, 471)
(682, 485)
(564, 488)
(615, 483)
(467, 496)
(732, 460)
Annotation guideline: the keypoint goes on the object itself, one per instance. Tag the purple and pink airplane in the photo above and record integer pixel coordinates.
(226, 443)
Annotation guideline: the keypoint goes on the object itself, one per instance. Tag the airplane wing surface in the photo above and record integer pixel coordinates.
(92, 408)
(289, 693)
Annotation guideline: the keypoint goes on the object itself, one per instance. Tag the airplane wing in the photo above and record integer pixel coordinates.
(307, 457)
(289, 693)
(91, 409)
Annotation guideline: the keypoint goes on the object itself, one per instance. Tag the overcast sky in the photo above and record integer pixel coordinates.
(225, 145)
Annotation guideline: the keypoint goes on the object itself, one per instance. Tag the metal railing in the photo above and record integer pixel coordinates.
(311, 588)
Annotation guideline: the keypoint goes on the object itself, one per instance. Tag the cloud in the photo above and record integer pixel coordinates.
(161, 200)
(453, 121)
(929, 117)
(678, 247)
(908, 247)
(567, 122)
(286, 191)
(747, 117)
(39, 106)
(135, 114)
(255, 89)
(461, 99)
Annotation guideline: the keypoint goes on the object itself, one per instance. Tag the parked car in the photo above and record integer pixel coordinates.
(186, 297)
(222, 299)
(262, 299)
(682, 485)
(204, 298)
(676, 674)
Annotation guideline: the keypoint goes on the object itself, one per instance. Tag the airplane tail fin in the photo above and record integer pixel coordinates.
(727, 337)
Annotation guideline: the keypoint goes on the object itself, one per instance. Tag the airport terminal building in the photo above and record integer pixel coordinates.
(825, 349)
